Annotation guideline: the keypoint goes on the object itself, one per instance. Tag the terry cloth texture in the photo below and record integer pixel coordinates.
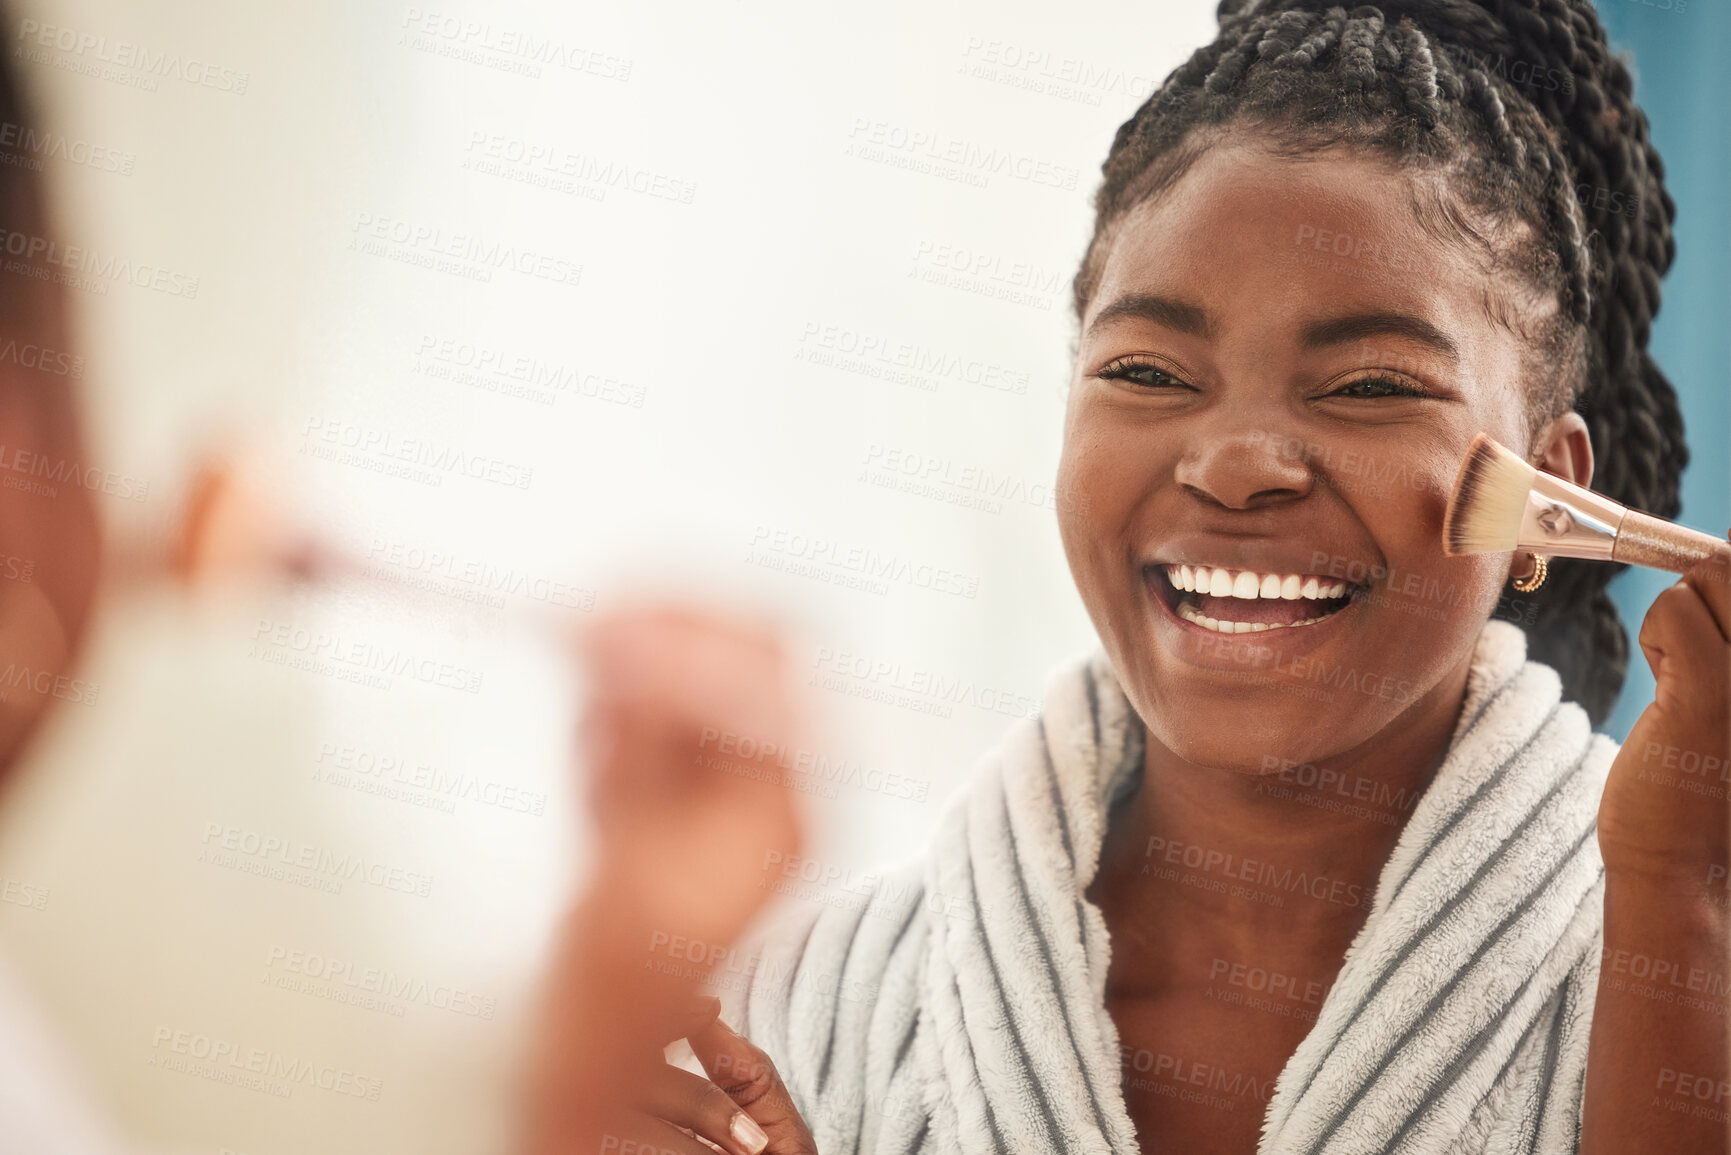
(957, 1003)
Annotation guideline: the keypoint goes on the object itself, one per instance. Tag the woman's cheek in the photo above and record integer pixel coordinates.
(1439, 609)
(1103, 471)
(1086, 474)
(1085, 529)
(1487, 577)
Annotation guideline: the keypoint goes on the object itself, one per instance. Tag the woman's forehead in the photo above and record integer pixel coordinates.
(1247, 204)
(1249, 237)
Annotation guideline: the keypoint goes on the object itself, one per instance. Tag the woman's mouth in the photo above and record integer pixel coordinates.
(1228, 601)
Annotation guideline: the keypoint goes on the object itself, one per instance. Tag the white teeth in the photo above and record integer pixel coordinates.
(1250, 586)
(1191, 614)
(1246, 585)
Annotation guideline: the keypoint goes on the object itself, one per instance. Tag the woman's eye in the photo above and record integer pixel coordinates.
(1142, 373)
(1378, 387)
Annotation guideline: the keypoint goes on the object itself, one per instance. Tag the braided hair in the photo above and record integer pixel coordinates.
(1520, 109)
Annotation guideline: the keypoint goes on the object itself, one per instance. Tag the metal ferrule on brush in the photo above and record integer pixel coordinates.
(1502, 502)
(1564, 520)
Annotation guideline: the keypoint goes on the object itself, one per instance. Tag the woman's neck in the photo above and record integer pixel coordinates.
(1201, 864)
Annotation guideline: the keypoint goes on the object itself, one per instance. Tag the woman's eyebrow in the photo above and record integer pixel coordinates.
(1187, 318)
(1178, 315)
(1358, 326)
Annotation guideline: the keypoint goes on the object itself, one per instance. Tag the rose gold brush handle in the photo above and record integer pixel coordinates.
(1643, 539)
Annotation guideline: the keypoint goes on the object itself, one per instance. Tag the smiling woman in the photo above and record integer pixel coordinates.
(1316, 856)
(1209, 347)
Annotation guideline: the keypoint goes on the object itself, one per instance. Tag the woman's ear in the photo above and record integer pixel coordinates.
(1564, 448)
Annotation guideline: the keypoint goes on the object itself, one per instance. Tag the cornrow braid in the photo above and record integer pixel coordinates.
(1522, 108)
(1325, 36)
(1418, 81)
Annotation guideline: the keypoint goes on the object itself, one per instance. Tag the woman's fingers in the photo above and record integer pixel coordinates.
(699, 1106)
(649, 1136)
(751, 1082)
(691, 721)
(1662, 815)
(1683, 641)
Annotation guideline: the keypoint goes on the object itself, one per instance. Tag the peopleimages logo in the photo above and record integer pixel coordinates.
(42, 359)
(223, 842)
(938, 153)
(85, 262)
(44, 473)
(276, 640)
(91, 50)
(468, 254)
(16, 679)
(20, 893)
(227, 1061)
(524, 51)
(329, 438)
(342, 980)
(38, 144)
(494, 153)
(541, 378)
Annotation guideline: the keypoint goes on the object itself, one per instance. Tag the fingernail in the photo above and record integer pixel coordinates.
(748, 1134)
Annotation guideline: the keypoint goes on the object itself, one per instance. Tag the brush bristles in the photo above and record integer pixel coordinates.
(1484, 515)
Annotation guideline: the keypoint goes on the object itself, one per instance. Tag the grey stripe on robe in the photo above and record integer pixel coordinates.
(963, 1007)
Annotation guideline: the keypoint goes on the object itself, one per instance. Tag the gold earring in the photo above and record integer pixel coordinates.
(1541, 570)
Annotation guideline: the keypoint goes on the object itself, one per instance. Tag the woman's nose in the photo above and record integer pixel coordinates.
(1243, 469)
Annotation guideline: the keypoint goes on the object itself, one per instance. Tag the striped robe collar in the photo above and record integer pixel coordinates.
(962, 1008)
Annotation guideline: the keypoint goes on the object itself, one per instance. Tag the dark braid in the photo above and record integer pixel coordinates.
(1528, 117)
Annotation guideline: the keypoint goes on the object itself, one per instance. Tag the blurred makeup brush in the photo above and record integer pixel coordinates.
(1501, 503)
(234, 530)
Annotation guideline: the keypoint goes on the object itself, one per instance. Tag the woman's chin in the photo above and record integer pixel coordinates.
(1245, 702)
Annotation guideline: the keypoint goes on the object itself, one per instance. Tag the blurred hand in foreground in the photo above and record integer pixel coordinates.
(688, 715)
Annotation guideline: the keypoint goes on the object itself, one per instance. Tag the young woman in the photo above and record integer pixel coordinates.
(1315, 855)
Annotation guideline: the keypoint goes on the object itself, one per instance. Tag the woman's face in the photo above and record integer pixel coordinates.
(1279, 376)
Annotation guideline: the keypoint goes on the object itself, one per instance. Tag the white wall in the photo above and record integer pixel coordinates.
(804, 199)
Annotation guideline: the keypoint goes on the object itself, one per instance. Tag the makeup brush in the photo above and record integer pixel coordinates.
(1501, 503)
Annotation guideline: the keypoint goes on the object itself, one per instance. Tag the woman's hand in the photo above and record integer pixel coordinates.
(686, 812)
(689, 714)
(743, 1107)
(1664, 817)
(1659, 1016)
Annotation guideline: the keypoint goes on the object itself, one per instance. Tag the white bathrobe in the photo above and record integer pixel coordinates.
(962, 1008)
